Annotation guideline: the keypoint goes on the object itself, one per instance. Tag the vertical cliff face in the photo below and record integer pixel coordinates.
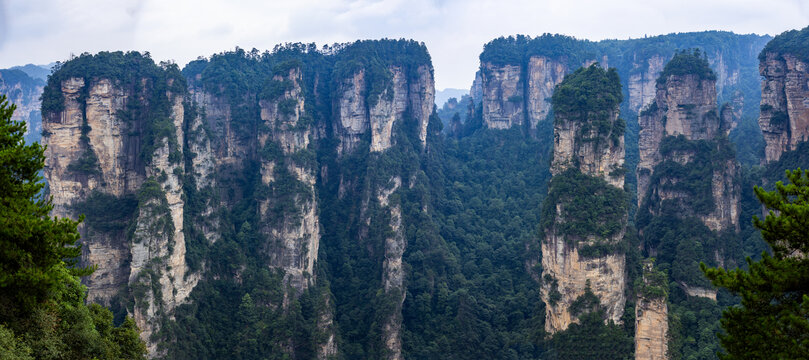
(784, 116)
(651, 316)
(353, 114)
(683, 105)
(580, 252)
(503, 95)
(219, 181)
(476, 90)
(577, 144)
(543, 76)
(406, 102)
(293, 236)
(123, 170)
(23, 91)
(357, 113)
(506, 97)
(63, 131)
(641, 84)
(685, 108)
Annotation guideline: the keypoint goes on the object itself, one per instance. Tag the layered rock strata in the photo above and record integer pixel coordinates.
(408, 98)
(685, 105)
(293, 238)
(784, 116)
(651, 320)
(93, 150)
(567, 273)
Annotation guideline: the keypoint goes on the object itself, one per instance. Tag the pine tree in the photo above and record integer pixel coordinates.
(772, 321)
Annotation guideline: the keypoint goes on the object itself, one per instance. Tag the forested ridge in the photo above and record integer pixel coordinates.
(474, 203)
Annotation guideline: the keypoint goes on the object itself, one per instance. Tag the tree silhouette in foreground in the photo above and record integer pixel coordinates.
(772, 321)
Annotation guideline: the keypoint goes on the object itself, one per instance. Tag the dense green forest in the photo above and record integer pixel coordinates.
(474, 203)
(471, 256)
(738, 53)
(687, 62)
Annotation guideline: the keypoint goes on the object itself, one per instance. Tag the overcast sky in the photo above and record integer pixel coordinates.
(42, 31)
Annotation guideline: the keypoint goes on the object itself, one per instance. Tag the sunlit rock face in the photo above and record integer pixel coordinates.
(151, 256)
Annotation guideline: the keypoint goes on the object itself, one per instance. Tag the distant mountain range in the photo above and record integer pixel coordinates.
(23, 86)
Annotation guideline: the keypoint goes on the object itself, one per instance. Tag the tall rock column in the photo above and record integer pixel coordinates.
(687, 177)
(642, 81)
(293, 231)
(543, 76)
(684, 114)
(585, 214)
(651, 315)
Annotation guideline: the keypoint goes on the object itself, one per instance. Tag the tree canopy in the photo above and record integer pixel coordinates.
(687, 62)
(772, 322)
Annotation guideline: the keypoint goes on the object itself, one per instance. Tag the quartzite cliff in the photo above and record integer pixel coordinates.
(156, 163)
(585, 152)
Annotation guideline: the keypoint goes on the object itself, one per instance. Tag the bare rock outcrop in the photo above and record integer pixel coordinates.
(293, 235)
(685, 106)
(93, 153)
(642, 81)
(594, 154)
(543, 76)
(784, 116)
(651, 316)
(503, 96)
(573, 262)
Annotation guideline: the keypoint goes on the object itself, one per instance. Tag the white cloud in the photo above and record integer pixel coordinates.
(41, 31)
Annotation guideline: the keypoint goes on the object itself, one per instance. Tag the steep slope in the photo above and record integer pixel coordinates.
(517, 75)
(113, 154)
(681, 128)
(381, 112)
(689, 203)
(784, 112)
(651, 315)
(582, 246)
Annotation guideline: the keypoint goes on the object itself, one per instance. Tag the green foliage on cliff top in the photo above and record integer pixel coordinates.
(654, 283)
(687, 62)
(376, 57)
(589, 94)
(793, 42)
(124, 69)
(135, 73)
(516, 50)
